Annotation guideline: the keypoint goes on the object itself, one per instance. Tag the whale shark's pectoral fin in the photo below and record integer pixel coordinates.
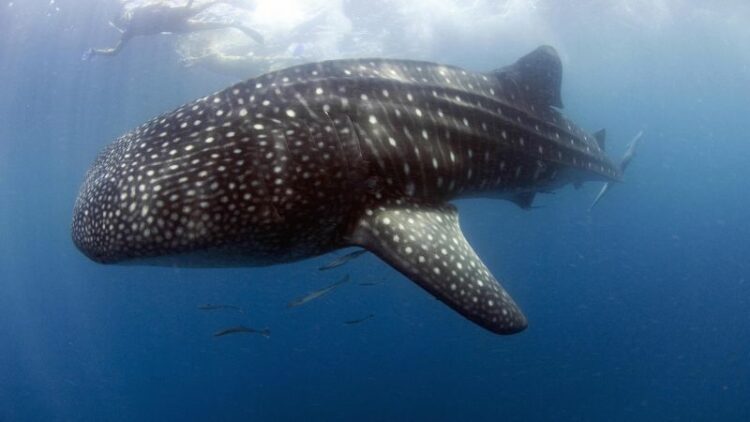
(426, 244)
(525, 200)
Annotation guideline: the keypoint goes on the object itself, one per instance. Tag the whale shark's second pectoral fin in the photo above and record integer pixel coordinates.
(426, 244)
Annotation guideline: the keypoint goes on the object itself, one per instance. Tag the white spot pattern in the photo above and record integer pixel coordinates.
(271, 171)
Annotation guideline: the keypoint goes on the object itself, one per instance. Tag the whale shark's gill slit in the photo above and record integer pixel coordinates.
(340, 146)
(357, 138)
(426, 244)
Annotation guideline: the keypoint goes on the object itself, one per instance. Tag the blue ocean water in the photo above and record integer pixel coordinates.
(639, 310)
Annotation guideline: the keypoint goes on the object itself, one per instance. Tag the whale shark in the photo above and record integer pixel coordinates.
(367, 153)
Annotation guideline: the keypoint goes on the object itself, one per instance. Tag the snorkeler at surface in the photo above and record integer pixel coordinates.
(314, 38)
(241, 66)
(160, 18)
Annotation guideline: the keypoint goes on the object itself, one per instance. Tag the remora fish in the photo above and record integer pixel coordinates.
(215, 307)
(313, 158)
(265, 332)
(359, 320)
(317, 294)
(343, 259)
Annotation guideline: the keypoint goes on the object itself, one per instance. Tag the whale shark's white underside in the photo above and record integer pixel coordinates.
(306, 160)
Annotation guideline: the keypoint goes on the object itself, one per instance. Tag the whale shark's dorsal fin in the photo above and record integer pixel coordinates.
(539, 74)
(426, 244)
(541, 71)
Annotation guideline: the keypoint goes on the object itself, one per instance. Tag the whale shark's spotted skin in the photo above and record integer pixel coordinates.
(309, 159)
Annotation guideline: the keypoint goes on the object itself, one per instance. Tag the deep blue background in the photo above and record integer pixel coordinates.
(639, 310)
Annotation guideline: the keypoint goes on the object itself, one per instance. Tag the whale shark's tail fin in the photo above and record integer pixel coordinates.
(630, 152)
(626, 159)
(425, 243)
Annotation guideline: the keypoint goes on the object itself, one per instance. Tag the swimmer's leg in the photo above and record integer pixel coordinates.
(189, 61)
(201, 7)
(250, 32)
(114, 25)
(195, 26)
(90, 53)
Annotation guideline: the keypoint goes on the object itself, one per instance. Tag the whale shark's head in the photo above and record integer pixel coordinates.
(106, 223)
(207, 184)
(156, 194)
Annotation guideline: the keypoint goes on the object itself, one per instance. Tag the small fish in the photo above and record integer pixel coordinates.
(343, 259)
(265, 332)
(215, 307)
(357, 321)
(318, 293)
